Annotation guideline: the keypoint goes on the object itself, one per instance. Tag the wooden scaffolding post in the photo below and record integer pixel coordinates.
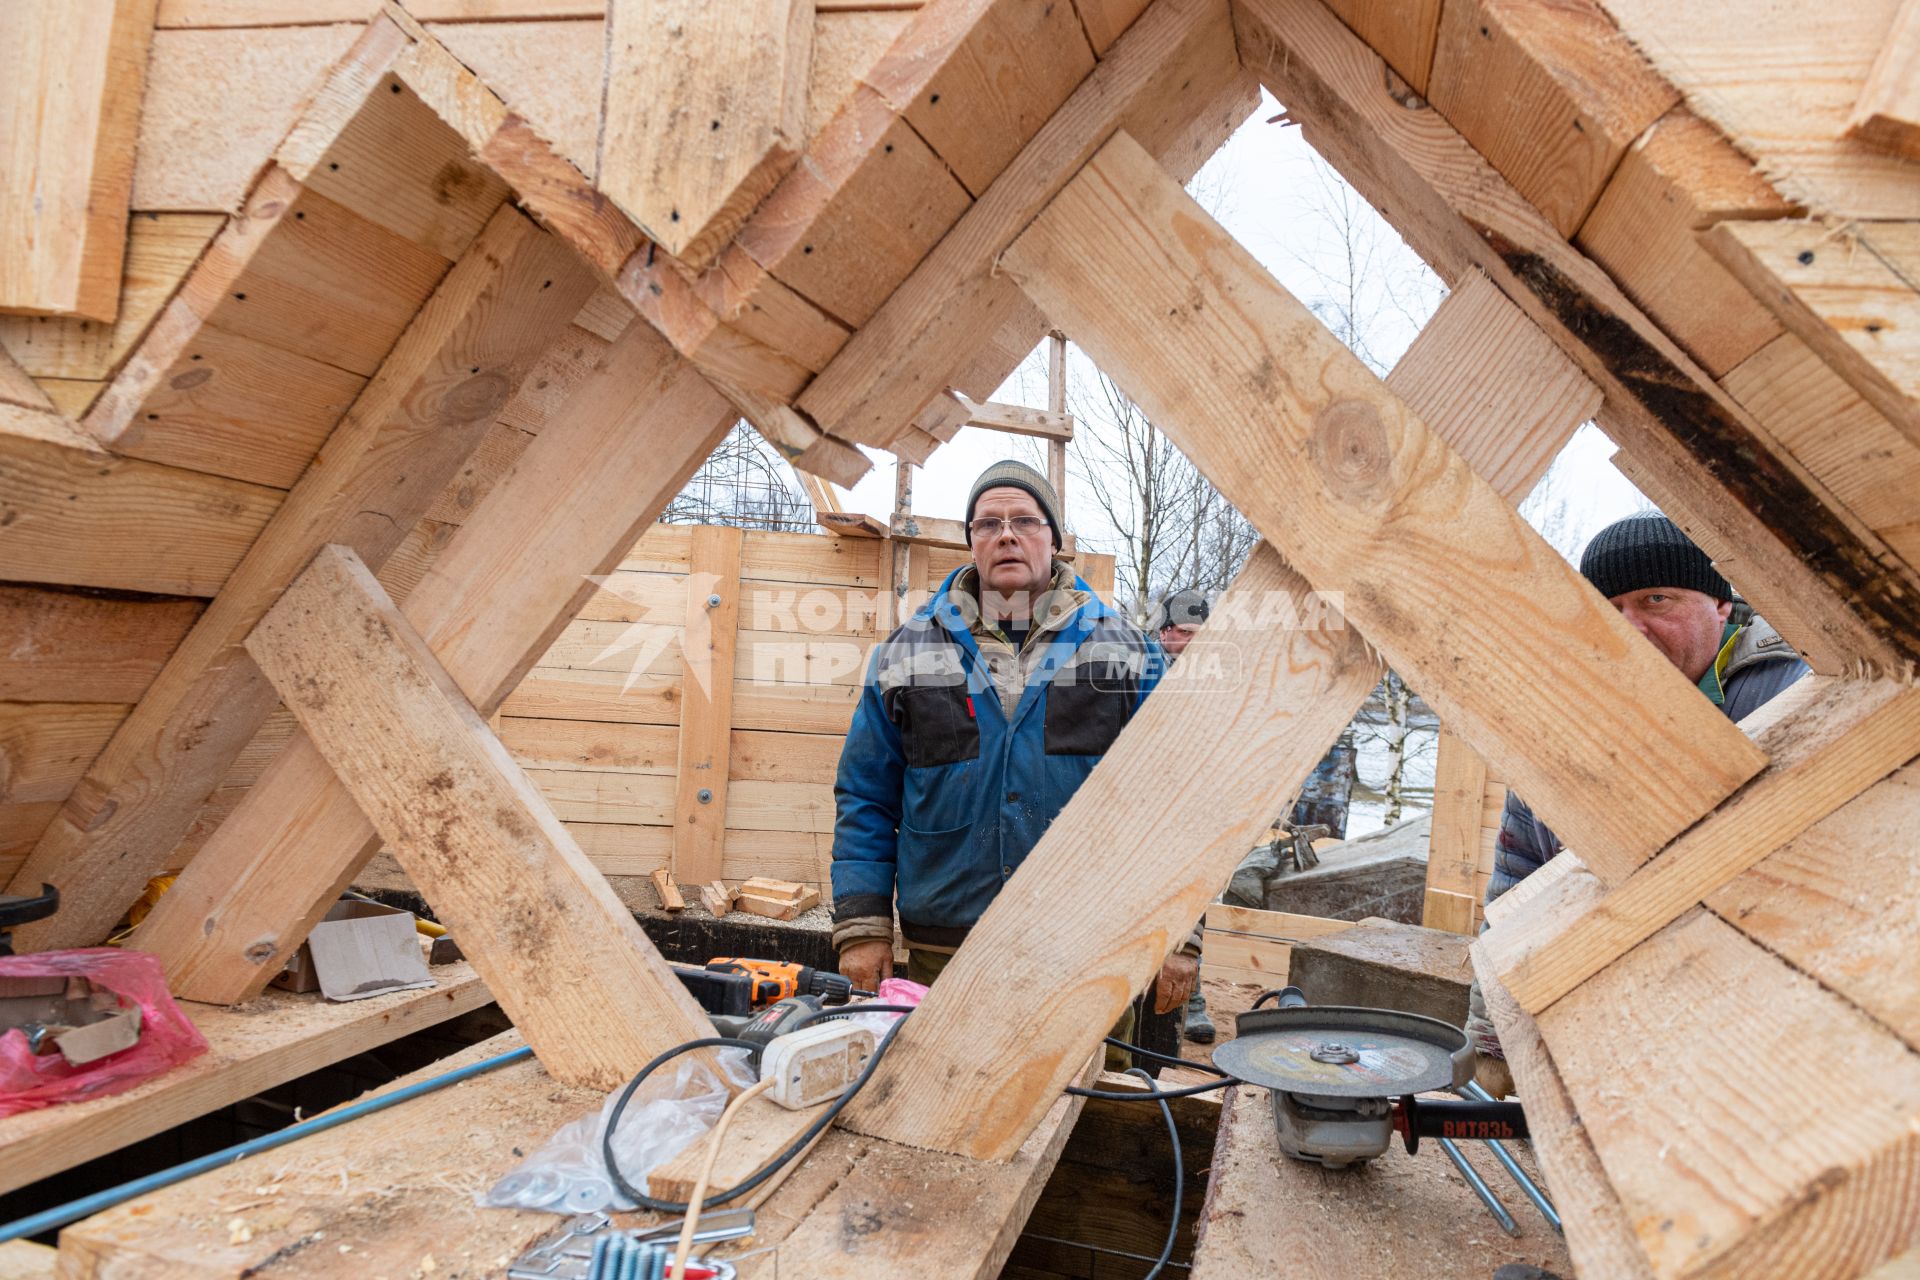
(1057, 403)
(557, 948)
(706, 704)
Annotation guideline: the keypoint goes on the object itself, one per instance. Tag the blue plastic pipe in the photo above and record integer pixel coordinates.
(87, 1206)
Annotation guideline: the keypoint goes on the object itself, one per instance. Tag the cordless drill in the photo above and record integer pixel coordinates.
(773, 980)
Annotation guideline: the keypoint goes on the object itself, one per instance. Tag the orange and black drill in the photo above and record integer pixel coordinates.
(735, 985)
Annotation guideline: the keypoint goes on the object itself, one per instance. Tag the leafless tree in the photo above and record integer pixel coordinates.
(744, 484)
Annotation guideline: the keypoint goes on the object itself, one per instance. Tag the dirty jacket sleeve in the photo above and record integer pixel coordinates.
(867, 794)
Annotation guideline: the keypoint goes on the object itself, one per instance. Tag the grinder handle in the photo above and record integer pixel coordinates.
(1287, 998)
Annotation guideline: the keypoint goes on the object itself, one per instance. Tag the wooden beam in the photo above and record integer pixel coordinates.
(851, 524)
(69, 112)
(1158, 77)
(471, 830)
(78, 516)
(1551, 95)
(490, 605)
(280, 1038)
(1887, 113)
(1599, 1236)
(1852, 294)
(1404, 33)
(1819, 757)
(706, 703)
(1015, 419)
(1840, 904)
(407, 435)
(18, 390)
(1453, 849)
(66, 645)
(1057, 404)
(1456, 211)
(682, 149)
(1680, 177)
(1822, 1193)
(1392, 504)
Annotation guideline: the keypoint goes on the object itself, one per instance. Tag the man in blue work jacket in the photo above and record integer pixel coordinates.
(980, 718)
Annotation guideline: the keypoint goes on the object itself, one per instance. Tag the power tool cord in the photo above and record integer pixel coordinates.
(773, 1166)
(1179, 1174)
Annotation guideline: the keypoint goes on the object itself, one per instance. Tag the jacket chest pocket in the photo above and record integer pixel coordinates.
(1086, 715)
(936, 726)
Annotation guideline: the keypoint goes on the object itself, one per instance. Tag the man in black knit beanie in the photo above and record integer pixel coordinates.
(1669, 590)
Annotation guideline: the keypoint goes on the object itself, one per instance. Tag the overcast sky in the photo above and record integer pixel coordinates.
(1268, 188)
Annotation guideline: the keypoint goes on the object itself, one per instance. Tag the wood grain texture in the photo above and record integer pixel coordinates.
(1783, 92)
(68, 113)
(1851, 294)
(18, 390)
(67, 645)
(1887, 113)
(281, 1037)
(406, 435)
(1268, 1215)
(682, 149)
(977, 79)
(1551, 94)
(530, 911)
(1392, 504)
(45, 747)
(75, 515)
(1453, 851)
(1839, 902)
(161, 249)
(490, 604)
(1844, 441)
(1818, 759)
(1456, 210)
(1599, 1236)
(1831, 1191)
(1155, 79)
(1402, 33)
(706, 706)
(1678, 177)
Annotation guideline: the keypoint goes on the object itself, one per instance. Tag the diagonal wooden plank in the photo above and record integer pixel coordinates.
(1455, 210)
(1887, 113)
(1253, 725)
(408, 433)
(1368, 501)
(705, 109)
(69, 110)
(1311, 682)
(541, 926)
(1819, 758)
(605, 463)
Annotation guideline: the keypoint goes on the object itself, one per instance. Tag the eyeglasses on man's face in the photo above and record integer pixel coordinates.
(1022, 526)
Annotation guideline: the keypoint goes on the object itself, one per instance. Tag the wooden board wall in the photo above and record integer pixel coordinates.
(598, 721)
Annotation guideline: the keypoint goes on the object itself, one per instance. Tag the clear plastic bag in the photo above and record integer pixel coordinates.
(30, 1080)
(677, 1105)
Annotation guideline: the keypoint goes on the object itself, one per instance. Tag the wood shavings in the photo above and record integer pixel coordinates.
(238, 1232)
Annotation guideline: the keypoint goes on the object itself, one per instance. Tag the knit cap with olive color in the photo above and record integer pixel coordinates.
(1645, 551)
(1012, 474)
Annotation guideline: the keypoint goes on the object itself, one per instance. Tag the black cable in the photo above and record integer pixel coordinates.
(1151, 1056)
(773, 1166)
(1264, 996)
(1179, 1175)
(1153, 1096)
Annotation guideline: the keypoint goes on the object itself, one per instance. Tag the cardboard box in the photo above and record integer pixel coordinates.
(360, 949)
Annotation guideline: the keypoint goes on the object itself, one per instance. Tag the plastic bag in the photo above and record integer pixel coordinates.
(677, 1105)
(30, 1080)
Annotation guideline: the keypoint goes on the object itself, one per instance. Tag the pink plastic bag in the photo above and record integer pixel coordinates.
(30, 1080)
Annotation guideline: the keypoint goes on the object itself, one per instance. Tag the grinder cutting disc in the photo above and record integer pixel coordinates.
(1338, 1051)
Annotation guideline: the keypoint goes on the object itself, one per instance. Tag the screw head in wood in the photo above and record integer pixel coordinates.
(706, 796)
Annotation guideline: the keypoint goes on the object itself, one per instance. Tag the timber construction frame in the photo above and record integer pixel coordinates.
(286, 520)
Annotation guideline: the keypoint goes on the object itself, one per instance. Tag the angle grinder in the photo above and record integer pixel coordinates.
(1344, 1079)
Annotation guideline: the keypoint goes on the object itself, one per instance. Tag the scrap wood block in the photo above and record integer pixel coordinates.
(788, 890)
(670, 899)
(775, 908)
(717, 897)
